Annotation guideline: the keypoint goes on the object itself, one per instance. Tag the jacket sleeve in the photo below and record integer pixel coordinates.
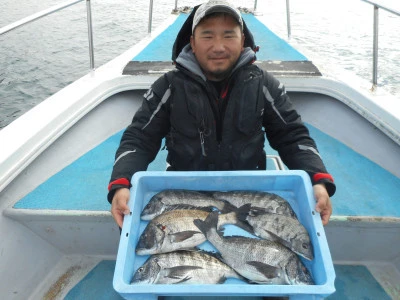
(142, 139)
(288, 135)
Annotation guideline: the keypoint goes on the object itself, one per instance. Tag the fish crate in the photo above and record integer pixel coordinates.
(294, 186)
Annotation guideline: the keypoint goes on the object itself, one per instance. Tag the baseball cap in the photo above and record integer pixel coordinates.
(214, 6)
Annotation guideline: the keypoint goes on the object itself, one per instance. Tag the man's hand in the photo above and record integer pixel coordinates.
(324, 206)
(119, 205)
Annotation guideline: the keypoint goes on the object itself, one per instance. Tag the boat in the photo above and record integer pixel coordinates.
(58, 239)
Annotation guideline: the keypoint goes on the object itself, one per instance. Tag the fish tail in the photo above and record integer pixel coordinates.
(232, 218)
(228, 207)
(209, 223)
(243, 212)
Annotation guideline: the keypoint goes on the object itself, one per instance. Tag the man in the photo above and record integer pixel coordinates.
(213, 110)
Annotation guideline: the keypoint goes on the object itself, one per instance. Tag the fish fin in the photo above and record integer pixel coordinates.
(191, 249)
(210, 222)
(187, 207)
(276, 238)
(288, 244)
(257, 211)
(207, 193)
(182, 236)
(214, 254)
(266, 235)
(183, 280)
(221, 280)
(241, 215)
(228, 207)
(245, 226)
(243, 211)
(180, 272)
(233, 218)
(179, 206)
(267, 270)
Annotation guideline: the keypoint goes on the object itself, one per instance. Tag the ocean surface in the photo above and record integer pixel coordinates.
(42, 57)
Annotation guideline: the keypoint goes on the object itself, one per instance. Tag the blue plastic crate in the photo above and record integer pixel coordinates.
(294, 186)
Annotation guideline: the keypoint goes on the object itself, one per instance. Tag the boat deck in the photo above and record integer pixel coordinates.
(87, 189)
(90, 174)
(84, 195)
(354, 282)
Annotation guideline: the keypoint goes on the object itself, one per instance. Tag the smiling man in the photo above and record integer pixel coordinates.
(214, 111)
(217, 40)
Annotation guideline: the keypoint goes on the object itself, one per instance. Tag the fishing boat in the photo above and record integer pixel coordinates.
(58, 239)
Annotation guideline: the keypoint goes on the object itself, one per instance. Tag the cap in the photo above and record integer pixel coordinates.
(214, 6)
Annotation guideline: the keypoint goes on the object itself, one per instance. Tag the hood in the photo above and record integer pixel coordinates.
(183, 37)
(187, 60)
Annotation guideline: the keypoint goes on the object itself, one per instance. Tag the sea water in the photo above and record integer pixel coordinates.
(40, 58)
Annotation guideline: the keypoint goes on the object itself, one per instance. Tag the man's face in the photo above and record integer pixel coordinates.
(217, 43)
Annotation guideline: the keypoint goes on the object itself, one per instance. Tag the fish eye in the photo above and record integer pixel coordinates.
(304, 245)
(162, 227)
(140, 270)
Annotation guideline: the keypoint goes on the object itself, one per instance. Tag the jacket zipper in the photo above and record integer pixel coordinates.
(203, 151)
(201, 133)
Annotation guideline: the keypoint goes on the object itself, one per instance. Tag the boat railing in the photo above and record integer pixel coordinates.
(66, 4)
(53, 10)
(377, 6)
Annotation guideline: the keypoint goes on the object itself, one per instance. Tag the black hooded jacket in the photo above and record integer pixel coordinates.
(207, 130)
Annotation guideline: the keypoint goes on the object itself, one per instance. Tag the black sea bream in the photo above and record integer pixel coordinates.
(263, 201)
(275, 227)
(182, 199)
(174, 230)
(183, 267)
(260, 261)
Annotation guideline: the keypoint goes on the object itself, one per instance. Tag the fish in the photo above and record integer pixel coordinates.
(184, 267)
(260, 201)
(281, 228)
(182, 199)
(175, 230)
(260, 261)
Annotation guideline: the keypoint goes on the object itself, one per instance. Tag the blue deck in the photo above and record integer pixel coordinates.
(271, 46)
(355, 196)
